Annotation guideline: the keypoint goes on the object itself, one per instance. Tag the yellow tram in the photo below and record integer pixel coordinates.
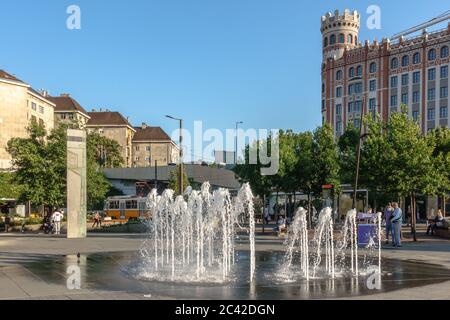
(126, 207)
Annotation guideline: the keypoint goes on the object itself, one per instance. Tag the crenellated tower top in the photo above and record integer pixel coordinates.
(339, 32)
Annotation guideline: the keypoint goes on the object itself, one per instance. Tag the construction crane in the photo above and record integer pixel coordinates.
(443, 17)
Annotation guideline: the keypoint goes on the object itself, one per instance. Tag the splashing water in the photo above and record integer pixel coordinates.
(191, 237)
(323, 256)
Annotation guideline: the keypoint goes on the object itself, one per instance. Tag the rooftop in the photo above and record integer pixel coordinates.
(66, 103)
(146, 133)
(7, 76)
(107, 118)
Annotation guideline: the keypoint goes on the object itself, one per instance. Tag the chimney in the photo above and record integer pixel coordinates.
(65, 95)
(144, 125)
(93, 110)
(44, 93)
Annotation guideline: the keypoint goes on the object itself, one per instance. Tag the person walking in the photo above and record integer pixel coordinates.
(57, 218)
(97, 220)
(7, 223)
(396, 220)
(387, 216)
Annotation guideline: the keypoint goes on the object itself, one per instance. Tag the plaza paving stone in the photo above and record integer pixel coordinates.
(17, 282)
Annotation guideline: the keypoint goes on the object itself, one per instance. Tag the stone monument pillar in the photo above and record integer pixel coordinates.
(76, 184)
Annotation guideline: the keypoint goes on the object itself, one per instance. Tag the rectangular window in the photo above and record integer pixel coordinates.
(136, 148)
(416, 96)
(443, 112)
(147, 148)
(33, 106)
(431, 74)
(444, 92)
(338, 126)
(416, 77)
(339, 92)
(356, 123)
(339, 109)
(444, 72)
(358, 87)
(431, 114)
(394, 101)
(405, 98)
(62, 116)
(114, 205)
(41, 109)
(131, 204)
(373, 85)
(394, 82)
(147, 158)
(357, 106)
(405, 79)
(415, 115)
(350, 107)
(431, 94)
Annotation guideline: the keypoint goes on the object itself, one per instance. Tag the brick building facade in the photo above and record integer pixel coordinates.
(380, 77)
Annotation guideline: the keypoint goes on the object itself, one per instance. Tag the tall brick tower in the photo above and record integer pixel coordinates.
(339, 32)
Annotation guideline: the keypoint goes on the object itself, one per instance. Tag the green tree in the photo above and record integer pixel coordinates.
(8, 189)
(325, 160)
(440, 139)
(400, 158)
(40, 164)
(37, 164)
(106, 152)
(174, 180)
(348, 144)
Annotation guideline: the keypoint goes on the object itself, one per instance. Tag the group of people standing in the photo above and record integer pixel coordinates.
(394, 219)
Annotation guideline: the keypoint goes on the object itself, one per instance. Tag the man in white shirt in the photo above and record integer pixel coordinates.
(57, 218)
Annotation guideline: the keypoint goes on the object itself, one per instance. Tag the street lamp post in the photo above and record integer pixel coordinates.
(180, 178)
(236, 141)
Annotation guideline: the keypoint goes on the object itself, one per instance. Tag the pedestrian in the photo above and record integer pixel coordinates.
(396, 220)
(387, 216)
(266, 215)
(97, 220)
(57, 218)
(7, 223)
(436, 221)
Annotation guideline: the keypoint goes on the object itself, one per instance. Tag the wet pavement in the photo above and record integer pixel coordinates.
(122, 272)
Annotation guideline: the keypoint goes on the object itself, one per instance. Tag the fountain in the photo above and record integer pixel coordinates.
(323, 256)
(191, 237)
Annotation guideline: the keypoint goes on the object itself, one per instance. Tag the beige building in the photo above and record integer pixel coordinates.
(19, 104)
(152, 144)
(69, 111)
(115, 126)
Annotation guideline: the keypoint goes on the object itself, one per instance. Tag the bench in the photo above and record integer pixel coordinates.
(442, 232)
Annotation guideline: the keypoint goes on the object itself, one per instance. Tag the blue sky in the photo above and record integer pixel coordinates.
(219, 61)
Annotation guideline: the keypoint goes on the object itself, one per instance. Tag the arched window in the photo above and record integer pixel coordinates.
(405, 61)
(444, 52)
(341, 38)
(351, 72)
(325, 42)
(373, 67)
(332, 39)
(359, 71)
(356, 40)
(350, 39)
(431, 55)
(394, 63)
(416, 58)
(339, 75)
